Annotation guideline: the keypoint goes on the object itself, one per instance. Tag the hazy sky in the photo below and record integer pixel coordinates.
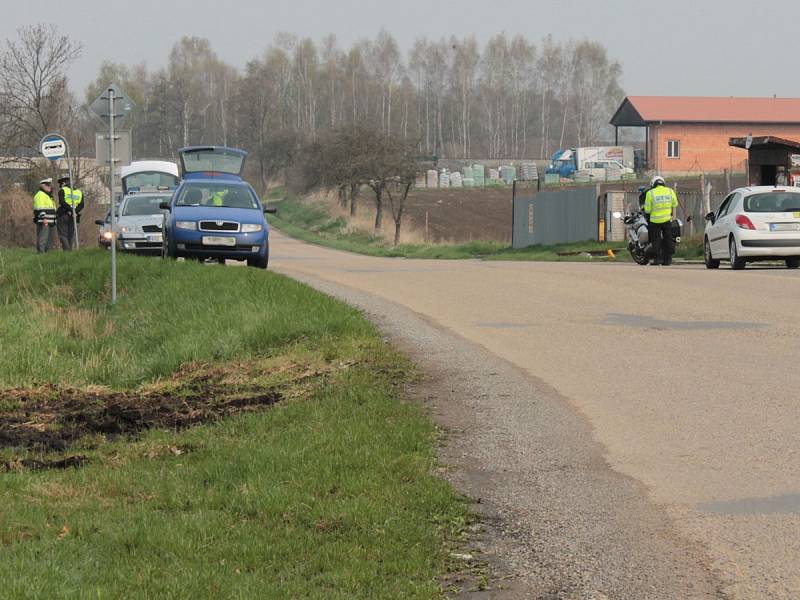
(699, 47)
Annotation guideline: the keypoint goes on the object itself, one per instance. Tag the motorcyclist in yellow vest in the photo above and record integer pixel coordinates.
(660, 203)
(44, 214)
(69, 200)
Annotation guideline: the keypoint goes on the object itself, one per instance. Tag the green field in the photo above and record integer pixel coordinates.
(311, 223)
(327, 493)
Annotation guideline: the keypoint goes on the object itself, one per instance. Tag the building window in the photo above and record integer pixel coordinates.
(673, 149)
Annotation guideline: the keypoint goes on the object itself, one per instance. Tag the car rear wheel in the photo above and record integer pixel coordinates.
(737, 262)
(711, 263)
(793, 263)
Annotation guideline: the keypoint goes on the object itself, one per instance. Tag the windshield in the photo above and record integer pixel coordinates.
(772, 202)
(139, 206)
(149, 179)
(216, 160)
(217, 195)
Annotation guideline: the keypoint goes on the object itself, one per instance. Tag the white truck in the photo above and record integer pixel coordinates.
(593, 162)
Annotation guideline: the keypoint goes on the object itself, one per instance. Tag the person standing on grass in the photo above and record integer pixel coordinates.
(660, 203)
(44, 214)
(69, 200)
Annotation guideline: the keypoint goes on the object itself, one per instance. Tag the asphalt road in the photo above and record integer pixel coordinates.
(653, 410)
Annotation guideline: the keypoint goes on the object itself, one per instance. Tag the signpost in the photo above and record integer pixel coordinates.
(54, 146)
(112, 99)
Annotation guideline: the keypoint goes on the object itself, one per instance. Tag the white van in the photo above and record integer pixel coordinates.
(603, 170)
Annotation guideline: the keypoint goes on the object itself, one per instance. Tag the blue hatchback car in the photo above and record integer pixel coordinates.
(214, 213)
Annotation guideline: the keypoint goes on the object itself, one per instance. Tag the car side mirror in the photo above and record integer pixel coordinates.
(270, 210)
(163, 205)
(710, 217)
(99, 222)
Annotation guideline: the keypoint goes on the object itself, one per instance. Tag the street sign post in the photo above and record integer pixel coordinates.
(123, 150)
(122, 104)
(54, 146)
(122, 147)
(106, 106)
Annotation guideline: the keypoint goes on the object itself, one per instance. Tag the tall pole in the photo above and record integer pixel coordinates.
(111, 191)
(72, 187)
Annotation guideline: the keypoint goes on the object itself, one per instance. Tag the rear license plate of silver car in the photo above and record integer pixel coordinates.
(218, 241)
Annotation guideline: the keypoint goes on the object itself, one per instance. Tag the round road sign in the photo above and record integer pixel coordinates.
(54, 147)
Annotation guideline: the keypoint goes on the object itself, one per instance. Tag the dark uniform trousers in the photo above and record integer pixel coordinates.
(66, 231)
(663, 243)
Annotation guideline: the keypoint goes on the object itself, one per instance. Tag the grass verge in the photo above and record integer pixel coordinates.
(327, 493)
(311, 223)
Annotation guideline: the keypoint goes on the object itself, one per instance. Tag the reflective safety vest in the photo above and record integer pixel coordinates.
(43, 201)
(44, 208)
(218, 197)
(659, 202)
(72, 197)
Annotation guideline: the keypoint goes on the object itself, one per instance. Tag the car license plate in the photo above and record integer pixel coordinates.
(218, 241)
(784, 226)
(156, 237)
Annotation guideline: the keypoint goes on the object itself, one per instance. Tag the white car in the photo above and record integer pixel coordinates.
(755, 223)
(140, 224)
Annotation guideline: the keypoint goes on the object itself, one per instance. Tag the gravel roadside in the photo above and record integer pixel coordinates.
(559, 522)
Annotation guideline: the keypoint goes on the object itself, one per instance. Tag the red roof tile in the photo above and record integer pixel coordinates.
(709, 110)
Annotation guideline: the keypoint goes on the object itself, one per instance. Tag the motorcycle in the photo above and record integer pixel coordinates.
(636, 235)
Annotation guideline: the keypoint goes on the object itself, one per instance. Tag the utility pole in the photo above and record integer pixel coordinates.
(111, 117)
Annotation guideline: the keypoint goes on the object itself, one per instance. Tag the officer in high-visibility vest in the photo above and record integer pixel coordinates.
(44, 214)
(660, 203)
(69, 200)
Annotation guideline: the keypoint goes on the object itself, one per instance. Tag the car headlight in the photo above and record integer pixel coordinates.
(131, 229)
(251, 227)
(186, 225)
(107, 235)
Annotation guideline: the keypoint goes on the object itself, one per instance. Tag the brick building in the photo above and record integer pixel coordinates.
(691, 135)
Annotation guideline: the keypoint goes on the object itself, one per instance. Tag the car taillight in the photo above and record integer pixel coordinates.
(744, 222)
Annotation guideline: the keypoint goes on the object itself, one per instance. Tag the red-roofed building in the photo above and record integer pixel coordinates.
(692, 135)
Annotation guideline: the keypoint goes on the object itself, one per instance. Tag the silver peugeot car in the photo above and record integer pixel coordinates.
(141, 222)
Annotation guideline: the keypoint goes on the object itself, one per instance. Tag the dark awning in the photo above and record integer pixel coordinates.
(628, 116)
(766, 142)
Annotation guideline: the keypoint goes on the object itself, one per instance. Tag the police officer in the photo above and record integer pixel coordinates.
(660, 203)
(69, 200)
(44, 214)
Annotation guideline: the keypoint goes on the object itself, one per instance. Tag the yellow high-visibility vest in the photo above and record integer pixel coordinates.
(43, 201)
(72, 197)
(659, 202)
(218, 197)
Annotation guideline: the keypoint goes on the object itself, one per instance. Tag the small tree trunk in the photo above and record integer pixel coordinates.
(263, 174)
(378, 207)
(397, 223)
(354, 190)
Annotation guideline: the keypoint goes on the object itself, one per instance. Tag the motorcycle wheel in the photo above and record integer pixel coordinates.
(639, 257)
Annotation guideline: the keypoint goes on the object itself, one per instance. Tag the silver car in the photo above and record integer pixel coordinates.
(140, 224)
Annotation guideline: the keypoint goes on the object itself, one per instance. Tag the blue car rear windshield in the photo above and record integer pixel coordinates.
(772, 202)
(225, 195)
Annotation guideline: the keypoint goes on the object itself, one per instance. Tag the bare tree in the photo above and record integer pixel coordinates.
(33, 87)
(465, 62)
